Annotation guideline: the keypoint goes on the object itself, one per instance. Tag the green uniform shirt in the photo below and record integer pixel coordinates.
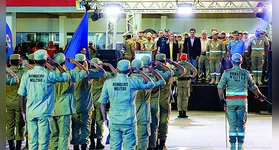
(64, 93)
(141, 40)
(188, 66)
(82, 91)
(12, 98)
(96, 89)
(129, 47)
(165, 91)
(216, 48)
(236, 81)
(258, 45)
(149, 45)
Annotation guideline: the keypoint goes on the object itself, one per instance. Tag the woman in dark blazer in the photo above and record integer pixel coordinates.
(175, 49)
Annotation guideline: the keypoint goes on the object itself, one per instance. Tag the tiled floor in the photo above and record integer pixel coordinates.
(206, 131)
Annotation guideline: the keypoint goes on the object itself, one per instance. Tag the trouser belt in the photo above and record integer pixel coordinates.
(237, 97)
(183, 78)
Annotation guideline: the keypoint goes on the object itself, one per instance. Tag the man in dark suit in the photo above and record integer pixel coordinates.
(192, 47)
(161, 42)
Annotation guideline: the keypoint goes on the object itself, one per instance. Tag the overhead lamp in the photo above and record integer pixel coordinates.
(113, 9)
(185, 8)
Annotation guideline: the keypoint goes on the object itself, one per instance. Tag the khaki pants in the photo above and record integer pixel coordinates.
(154, 126)
(165, 110)
(203, 61)
(257, 60)
(215, 65)
(15, 125)
(183, 90)
(81, 125)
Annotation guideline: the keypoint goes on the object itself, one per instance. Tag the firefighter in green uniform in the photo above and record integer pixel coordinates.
(64, 105)
(183, 86)
(165, 95)
(154, 102)
(14, 118)
(247, 57)
(236, 81)
(225, 40)
(140, 38)
(149, 44)
(143, 103)
(259, 48)
(129, 48)
(216, 49)
(81, 120)
(97, 126)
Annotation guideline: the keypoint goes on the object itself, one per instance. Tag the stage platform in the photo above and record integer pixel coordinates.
(205, 97)
(205, 130)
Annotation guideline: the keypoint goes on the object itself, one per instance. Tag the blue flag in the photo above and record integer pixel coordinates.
(9, 41)
(79, 41)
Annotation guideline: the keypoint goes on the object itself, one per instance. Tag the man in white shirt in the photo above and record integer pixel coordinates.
(203, 60)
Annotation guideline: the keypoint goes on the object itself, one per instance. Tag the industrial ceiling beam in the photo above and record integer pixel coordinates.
(170, 6)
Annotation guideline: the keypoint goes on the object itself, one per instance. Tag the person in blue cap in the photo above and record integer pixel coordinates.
(64, 105)
(143, 103)
(121, 92)
(236, 81)
(165, 96)
(97, 125)
(81, 120)
(37, 85)
(14, 119)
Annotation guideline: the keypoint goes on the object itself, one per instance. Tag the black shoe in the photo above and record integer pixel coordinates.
(18, 145)
(180, 114)
(83, 146)
(99, 144)
(162, 145)
(76, 147)
(92, 144)
(184, 114)
(11, 144)
(150, 148)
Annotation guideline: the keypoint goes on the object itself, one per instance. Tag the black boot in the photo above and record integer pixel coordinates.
(26, 145)
(18, 145)
(83, 146)
(11, 144)
(162, 145)
(92, 145)
(180, 114)
(99, 144)
(76, 147)
(184, 114)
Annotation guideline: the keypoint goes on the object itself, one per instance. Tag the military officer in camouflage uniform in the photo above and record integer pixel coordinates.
(140, 38)
(259, 48)
(143, 103)
(14, 118)
(236, 81)
(183, 86)
(149, 45)
(216, 49)
(129, 48)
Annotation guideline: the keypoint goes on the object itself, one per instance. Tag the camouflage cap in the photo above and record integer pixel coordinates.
(96, 60)
(223, 32)
(15, 57)
(214, 32)
(31, 56)
(161, 56)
